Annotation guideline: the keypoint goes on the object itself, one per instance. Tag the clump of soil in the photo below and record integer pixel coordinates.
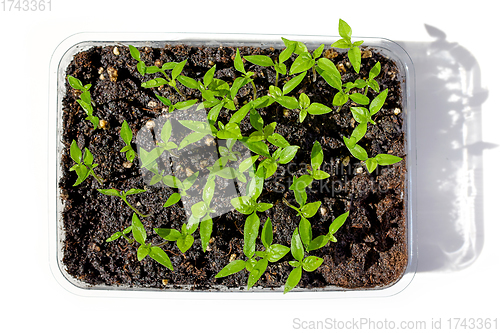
(371, 249)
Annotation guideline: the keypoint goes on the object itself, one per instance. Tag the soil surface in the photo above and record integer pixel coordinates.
(371, 249)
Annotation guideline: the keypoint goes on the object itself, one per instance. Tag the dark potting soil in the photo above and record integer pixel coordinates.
(371, 249)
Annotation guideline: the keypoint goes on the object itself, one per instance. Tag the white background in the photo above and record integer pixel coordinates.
(454, 45)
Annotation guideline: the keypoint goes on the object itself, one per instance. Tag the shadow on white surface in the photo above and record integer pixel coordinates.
(449, 154)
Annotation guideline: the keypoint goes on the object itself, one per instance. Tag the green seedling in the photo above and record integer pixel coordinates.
(227, 154)
(216, 94)
(279, 65)
(126, 135)
(305, 211)
(119, 234)
(316, 161)
(280, 156)
(247, 205)
(148, 249)
(85, 100)
(306, 61)
(175, 67)
(182, 105)
(256, 268)
(202, 210)
(354, 53)
(184, 239)
(247, 77)
(84, 163)
(370, 82)
(123, 195)
(364, 116)
(306, 107)
(288, 102)
(149, 159)
(323, 240)
(309, 264)
(381, 159)
(343, 95)
(174, 182)
(299, 186)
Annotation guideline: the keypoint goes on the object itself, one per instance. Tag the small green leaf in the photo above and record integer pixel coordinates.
(75, 83)
(267, 234)
(257, 147)
(318, 242)
(378, 102)
(256, 120)
(359, 132)
(244, 205)
(209, 75)
(143, 251)
(317, 108)
(154, 83)
(316, 156)
(340, 98)
(278, 140)
(172, 200)
(360, 98)
(293, 279)
(305, 231)
(341, 44)
(287, 154)
(345, 30)
(172, 181)
(115, 236)
(354, 55)
(206, 226)
(310, 209)
(304, 101)
(260, 60)
(141, 67)
(168, 234)
(185, 242)
(187, 82)
(277, 251)
(233, 267)
(311, 263)
(134, 53)
(337, 223)
(387, 159)
(251, 231)
(190, 139)
(319, 174)
(238, 63)
(294, 82)
(256, 184)
(258, 269)
(164, 100)
(360, 114)
(263, 206)
(375, 71)
(302, 63)
(247, 163)
(111, 191)
(199, 209)
(75, 152)
(176, 71)
(297, 248)
(317, 53)
(161, 257)
(357, 151)
(371, 164)
(208, 190)
(138, 230)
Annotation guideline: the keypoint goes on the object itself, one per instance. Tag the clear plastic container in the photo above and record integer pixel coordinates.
(80, 42)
